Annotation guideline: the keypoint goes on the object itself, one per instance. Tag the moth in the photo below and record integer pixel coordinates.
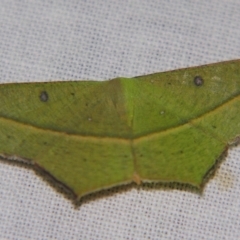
(90, 135)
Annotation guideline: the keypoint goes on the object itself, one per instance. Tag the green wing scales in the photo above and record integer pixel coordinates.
(91, 135)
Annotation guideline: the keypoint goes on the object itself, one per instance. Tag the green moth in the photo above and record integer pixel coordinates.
(91, 135)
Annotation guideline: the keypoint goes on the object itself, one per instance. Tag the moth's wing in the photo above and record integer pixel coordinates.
(182, 128)
(73, 130)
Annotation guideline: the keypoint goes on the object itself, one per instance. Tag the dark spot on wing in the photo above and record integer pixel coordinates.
(198, 81)
(43, 96)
